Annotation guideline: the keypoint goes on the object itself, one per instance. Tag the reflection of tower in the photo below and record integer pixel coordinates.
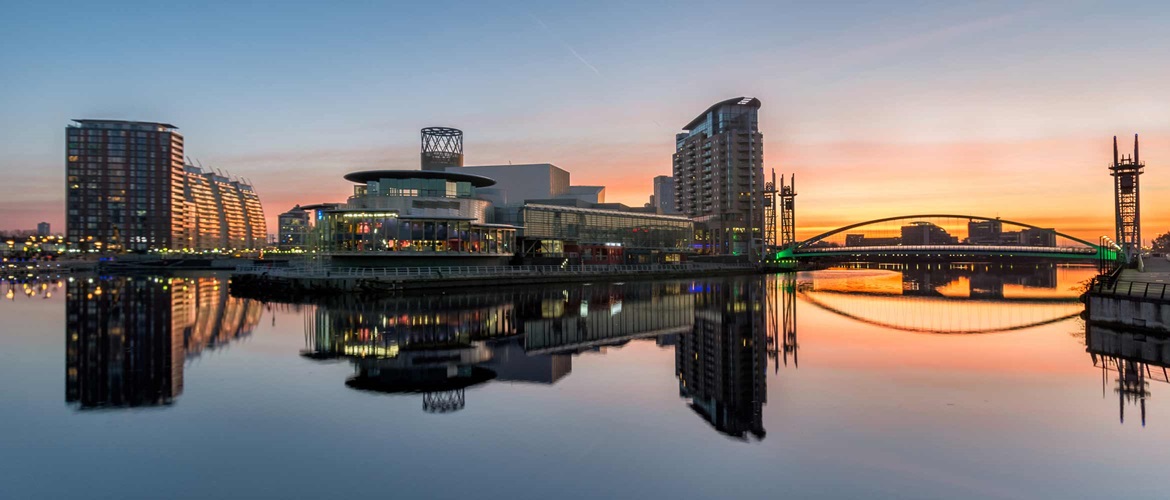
(787, 212)
(1127, 202)
(720, 364)
(444, 402)
(442, 147)
(1136, 359)
(121, 349)
(789, 298)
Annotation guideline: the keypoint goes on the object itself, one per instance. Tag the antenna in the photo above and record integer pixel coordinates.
(1135, 148)
(1115, 150)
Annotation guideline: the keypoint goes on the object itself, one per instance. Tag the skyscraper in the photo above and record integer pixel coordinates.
(719, 175)
(124, 185)
(664, 197)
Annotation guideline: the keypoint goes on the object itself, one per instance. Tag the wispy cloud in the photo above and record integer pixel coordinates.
(565, 44)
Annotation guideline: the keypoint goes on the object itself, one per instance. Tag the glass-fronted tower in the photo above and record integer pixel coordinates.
(719, 177)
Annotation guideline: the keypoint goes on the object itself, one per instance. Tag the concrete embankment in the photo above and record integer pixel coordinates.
(1133, 299)
(287, 284)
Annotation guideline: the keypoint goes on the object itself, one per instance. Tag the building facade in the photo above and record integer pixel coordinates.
(43, 229)
(124, 186)
(588, 235)
(293, 229)
(719, 177)
(128, 190)
(664, 195)
(407, 217)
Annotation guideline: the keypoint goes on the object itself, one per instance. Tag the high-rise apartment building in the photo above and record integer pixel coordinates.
(223, 213)
(719, 177)
(124, 185)
(664, 197)
(128, 189)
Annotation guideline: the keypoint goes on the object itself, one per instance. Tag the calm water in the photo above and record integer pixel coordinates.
(951, 382)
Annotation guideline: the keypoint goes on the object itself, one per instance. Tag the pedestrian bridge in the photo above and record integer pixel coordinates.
(943, 237)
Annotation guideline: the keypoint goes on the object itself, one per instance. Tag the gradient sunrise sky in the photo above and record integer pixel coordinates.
(998, 108)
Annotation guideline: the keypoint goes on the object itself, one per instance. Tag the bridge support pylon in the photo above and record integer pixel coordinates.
(1126, 172)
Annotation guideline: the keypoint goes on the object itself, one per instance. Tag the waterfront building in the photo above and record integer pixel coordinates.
(984, 232)
(222, 213)
(719, 176)
(412, 217)
(293, 229)
(602, 233)
(124, 189)
(128, 189)
(43, 229)
(664, 197)
(533, 181)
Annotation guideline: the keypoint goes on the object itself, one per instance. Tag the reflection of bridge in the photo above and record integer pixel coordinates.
(919, 237)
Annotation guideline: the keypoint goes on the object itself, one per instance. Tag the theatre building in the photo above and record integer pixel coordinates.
(412, 218)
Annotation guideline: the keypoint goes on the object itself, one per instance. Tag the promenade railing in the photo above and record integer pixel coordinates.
(1137, 289)
(479, 271)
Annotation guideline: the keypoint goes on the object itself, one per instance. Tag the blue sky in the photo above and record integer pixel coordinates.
(293, 95)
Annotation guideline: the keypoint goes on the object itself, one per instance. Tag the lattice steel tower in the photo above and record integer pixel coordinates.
(1127, 202)
(770, 213)
(442, 147)
(787, 212)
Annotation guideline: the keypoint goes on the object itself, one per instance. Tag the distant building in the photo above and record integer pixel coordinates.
(860, 240)
(43, 229)
(664, 195)
(294, 229)
(129, 190)
(1037, 237)
(532, 181)
(925, 233)
(985, 232)
(719, 175)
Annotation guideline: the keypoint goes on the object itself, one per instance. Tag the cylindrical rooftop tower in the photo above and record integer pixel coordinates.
(442, 147)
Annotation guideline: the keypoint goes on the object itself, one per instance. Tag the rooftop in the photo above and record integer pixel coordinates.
(741, 101)
(375, 175)
(90, 121)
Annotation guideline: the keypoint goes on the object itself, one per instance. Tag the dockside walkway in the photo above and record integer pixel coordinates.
(1132, 298)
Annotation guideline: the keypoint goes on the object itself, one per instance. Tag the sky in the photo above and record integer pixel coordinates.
(997, 108)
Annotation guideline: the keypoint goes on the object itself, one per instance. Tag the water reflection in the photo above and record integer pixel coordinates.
(127, 338)
(1129, 361)
(949, 298)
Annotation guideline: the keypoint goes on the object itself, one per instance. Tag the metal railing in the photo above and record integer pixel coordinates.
(953, 248)
(1139, 289)
(478, 271)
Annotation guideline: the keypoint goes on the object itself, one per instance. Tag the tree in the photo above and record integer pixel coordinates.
(1162, 242)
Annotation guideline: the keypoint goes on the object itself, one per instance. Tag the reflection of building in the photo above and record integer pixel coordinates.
(127, 338)
(926, 233)
(719, 175)
(1133, 359)
(442, 345)
(293, 229)
(721, 363)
